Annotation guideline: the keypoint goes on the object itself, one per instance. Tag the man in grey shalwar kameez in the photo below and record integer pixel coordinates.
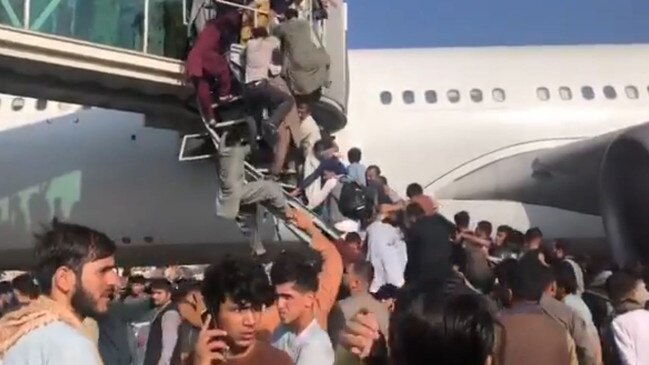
(306, 65)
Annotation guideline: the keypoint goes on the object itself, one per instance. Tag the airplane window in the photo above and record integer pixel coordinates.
(430, 96)
(17, 104)
(408, 97)
(631, 92)
(453, 96)
(588, 93)
(41, 104)
(543, 93)
(565, 93)
(476, 95)
(609, 92)
(386, 98)
(498, 94)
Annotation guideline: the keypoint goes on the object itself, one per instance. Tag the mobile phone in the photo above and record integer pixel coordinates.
(215, 325)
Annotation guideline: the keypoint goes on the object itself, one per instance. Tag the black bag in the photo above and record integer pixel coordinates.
(353, 202)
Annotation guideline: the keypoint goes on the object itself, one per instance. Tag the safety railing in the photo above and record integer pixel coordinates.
(256, 11)
(132, 25)
(318, 27)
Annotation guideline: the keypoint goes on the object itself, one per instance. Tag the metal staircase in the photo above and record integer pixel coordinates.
(228, 122)
(255, 174)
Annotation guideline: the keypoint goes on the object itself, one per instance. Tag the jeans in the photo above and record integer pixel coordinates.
(278, 103)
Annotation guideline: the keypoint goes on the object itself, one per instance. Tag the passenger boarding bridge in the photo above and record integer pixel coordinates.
(127, 54)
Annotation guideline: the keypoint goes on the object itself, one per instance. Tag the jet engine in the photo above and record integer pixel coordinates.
(605, 176)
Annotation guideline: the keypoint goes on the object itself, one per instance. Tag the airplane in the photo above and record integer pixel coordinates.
(548, 136)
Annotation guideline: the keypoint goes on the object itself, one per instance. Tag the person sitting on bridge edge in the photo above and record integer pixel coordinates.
(206, 61)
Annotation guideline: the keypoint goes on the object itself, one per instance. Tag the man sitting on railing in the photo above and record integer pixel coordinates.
(206, 61)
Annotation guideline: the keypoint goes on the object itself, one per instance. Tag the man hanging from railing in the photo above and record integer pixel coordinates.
(235, 193)
(306, 65)
(206, 61)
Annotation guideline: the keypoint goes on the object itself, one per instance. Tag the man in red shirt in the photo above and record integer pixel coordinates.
(416, 195)
(350, 248)
(206, 61)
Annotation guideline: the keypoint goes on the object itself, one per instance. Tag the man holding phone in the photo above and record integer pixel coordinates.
(236, 291)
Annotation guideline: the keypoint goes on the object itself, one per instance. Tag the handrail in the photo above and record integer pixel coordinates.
(246, 7)
(27, 14)
(318, 35)
(145, 31)
(293, 202)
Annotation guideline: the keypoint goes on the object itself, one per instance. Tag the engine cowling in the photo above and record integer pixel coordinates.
(607, 176)
(624, 194)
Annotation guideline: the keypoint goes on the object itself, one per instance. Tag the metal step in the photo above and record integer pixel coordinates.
(254, 174)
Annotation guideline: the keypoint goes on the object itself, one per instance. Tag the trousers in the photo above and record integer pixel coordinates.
(278, 103)
(235, 192)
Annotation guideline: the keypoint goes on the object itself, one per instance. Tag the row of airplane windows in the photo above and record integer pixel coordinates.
(498, 95)
(19, 104)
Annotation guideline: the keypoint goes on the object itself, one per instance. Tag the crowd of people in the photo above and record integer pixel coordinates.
(279, 76)
(402, 285)
(407, 286)
(283, 66)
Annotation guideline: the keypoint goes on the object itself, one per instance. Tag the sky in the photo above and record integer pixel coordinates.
(447, 23)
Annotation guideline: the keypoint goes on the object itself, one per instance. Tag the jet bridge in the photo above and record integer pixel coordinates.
(128, 55)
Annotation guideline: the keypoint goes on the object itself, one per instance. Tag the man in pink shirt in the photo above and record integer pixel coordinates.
(416, 195)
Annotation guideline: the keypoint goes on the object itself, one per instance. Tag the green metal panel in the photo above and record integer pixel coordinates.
(11, 12)
(45, 14)
(118, 23)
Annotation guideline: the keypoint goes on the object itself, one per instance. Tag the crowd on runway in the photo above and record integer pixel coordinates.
(404, 285)
(407, 286)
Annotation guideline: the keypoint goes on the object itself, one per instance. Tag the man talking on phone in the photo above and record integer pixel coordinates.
(236, 291)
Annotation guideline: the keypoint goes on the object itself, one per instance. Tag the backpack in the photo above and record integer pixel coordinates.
(353, 202)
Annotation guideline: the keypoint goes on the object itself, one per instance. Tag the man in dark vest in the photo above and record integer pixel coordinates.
(163, 334)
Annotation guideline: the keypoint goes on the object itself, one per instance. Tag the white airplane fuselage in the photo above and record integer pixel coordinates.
(108, 170)
(435, 143)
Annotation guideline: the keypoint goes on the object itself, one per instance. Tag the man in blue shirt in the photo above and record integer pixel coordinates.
(356, 170)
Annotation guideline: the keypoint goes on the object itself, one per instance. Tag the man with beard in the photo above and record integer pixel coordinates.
(75, 269)
(163, 335)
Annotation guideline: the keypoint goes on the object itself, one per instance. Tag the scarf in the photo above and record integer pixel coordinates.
(40, 313)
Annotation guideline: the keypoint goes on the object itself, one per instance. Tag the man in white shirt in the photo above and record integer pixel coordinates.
(258, 91)
(296, 282)
(310, 132)
(630, 328)
(386, 250)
